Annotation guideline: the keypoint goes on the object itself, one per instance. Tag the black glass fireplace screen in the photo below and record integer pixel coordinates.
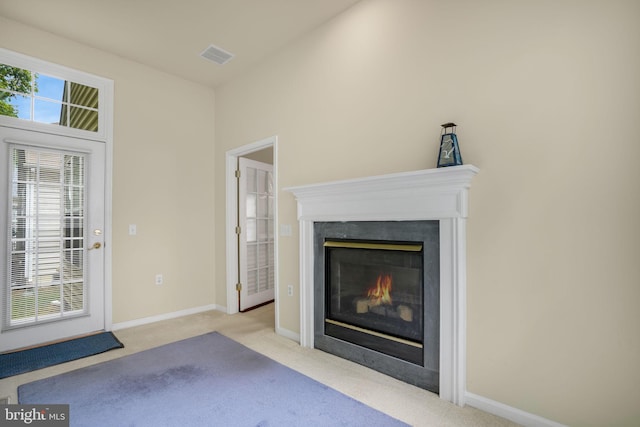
(374, 295)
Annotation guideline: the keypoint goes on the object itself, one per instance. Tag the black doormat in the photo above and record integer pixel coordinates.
(32, 359)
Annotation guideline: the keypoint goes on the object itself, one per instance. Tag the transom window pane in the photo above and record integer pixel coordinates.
(50, 88)
(29, 95)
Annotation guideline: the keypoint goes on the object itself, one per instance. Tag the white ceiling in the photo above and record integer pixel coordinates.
(169, 35)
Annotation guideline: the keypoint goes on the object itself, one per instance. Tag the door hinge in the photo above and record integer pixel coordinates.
(237, 173)
(238, 230)
(238, 287)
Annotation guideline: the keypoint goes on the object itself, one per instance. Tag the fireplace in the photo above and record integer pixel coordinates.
(439, 195)
(377, 292)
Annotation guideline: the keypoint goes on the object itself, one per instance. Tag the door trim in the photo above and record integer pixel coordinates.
(232, 215)
(108, 208)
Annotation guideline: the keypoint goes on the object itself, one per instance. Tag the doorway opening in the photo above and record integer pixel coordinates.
(265, 152)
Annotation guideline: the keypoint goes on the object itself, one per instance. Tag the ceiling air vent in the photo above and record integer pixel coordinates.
(217, 55)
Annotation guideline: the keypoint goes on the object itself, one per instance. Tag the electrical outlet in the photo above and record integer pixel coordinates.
(290, 290)
(159, 279)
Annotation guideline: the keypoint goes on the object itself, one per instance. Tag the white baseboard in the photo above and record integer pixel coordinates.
(288, 334)
(167, 316)
(513, 414)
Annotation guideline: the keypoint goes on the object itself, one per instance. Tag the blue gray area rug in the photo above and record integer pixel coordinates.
(208, 380)
(23, 361)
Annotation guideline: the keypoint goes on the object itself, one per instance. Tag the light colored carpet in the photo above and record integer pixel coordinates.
(200, 381)
(255, 329)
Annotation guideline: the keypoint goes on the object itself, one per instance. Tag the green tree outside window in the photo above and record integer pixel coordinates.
(12, 80)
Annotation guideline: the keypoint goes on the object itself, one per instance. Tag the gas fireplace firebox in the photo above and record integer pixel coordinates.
(379, 287)
(374, 295)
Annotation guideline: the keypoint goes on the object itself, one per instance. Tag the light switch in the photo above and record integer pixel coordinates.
(133, 229)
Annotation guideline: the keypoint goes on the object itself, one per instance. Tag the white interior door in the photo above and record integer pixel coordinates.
(52, 193)
(256, 237)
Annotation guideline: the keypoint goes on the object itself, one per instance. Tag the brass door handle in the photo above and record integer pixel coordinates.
(96, 245)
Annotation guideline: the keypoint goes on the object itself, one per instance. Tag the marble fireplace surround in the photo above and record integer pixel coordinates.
(431, 194)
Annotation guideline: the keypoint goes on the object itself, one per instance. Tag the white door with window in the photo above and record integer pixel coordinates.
(52, 193)
(256, 237)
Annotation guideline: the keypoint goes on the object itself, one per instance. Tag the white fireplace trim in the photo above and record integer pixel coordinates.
(431, 194)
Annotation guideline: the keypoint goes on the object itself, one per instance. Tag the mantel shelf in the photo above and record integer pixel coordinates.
(429, 178)
(424, 194)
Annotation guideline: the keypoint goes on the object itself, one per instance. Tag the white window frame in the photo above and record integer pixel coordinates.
(105, 97)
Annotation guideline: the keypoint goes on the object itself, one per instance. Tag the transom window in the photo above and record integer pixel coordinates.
(42, 96)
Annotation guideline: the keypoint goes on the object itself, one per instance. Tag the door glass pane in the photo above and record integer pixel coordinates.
(74, 201)
(74, 170)
(270, 233)
(262, 230)
(263, 208)
(252, 233)
(262, 181)
(252, 256)
(252, 211)
(252, 282)
(251, 180)
(263, 255)
(272, 278)
(46, 260)
(269, 189)
(263, 282)
(270, 211)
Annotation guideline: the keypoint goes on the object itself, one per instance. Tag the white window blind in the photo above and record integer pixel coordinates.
(47, 222)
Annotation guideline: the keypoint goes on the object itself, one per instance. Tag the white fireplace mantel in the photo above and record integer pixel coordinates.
(431, 194)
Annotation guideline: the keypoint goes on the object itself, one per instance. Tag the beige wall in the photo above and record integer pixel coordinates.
(547, 98)
(264, 156)
(162, 177)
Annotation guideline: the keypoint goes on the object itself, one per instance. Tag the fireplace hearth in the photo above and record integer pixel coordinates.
(378, 282)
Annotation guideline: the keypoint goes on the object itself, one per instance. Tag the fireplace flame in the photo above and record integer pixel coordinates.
(380, 293)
